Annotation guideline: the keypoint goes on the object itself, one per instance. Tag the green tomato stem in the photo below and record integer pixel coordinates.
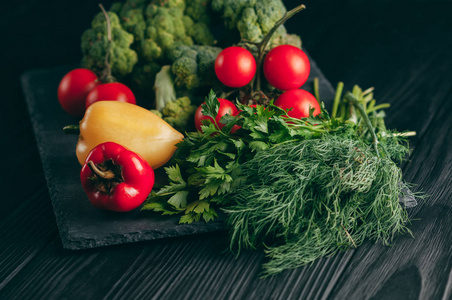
(263, 44)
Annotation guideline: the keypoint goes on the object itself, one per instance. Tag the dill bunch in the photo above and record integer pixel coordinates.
(311, 198)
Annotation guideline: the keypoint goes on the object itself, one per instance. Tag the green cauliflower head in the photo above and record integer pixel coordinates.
(133, 21)
(254, 19)
(94, 46)
(165, 27)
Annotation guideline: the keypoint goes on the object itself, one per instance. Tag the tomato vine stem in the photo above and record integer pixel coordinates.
(263, 44)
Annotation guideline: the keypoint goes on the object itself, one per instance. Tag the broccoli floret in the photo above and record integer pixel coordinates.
(198, 10)
(193, 66)
(131, 16)
(165, 26)
(231, 10)
(157, 113)
(131, 5)
(254, 19)
(200, 32)
(144, 31)
(116, 8)
(172, 4)
(133, 21)
(180, 114)
(186, 71)
(95, 43)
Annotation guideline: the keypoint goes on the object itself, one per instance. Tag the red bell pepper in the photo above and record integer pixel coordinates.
(115, 178)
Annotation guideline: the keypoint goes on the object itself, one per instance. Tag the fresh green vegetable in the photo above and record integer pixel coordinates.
(158, 28)
(254, 19)
(193, 66)
(309, 199)
(164, 88)
(151, 28)
(304, 188)
(95, 45)
(131, 15)
(179, 114)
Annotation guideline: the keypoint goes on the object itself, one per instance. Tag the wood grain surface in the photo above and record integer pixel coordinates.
(402, 48)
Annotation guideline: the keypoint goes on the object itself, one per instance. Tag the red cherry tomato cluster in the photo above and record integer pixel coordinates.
(80, 88)
(285, 67)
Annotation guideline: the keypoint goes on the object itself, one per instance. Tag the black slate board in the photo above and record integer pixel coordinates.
(81, 225)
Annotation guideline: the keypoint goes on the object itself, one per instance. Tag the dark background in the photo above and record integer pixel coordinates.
(402, 48)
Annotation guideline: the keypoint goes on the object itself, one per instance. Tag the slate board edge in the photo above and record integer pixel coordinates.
(29, 97)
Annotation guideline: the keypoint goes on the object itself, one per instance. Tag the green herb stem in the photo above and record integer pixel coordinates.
(378, 107)
(316, 89)
(352, 99)
(337, 99)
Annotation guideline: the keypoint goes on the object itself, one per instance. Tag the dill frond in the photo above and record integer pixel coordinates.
(309, 199)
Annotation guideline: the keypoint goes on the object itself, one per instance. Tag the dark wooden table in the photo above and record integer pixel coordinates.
(402, 48)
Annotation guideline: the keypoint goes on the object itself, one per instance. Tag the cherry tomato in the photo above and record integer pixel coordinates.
(286, 67)
(114, 91)
(300, 100)
(235, 67)
(73, 89)
(226, 107)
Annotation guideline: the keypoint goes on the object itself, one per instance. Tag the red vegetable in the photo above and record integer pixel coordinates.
(73, 89)
(235, 67)
(115, 178)
(226, 107)
(113, 91)
(300, 101)
(286, 67)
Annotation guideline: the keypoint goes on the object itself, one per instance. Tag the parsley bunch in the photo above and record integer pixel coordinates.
(207, 166)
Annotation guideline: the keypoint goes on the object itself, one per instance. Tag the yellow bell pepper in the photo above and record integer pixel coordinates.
(129, 125)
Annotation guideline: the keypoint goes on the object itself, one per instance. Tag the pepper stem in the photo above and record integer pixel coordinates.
(71, 129)
(107, 174)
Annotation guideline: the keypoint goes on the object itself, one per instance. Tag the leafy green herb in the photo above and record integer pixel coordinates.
(301, 188)
(304, 200)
